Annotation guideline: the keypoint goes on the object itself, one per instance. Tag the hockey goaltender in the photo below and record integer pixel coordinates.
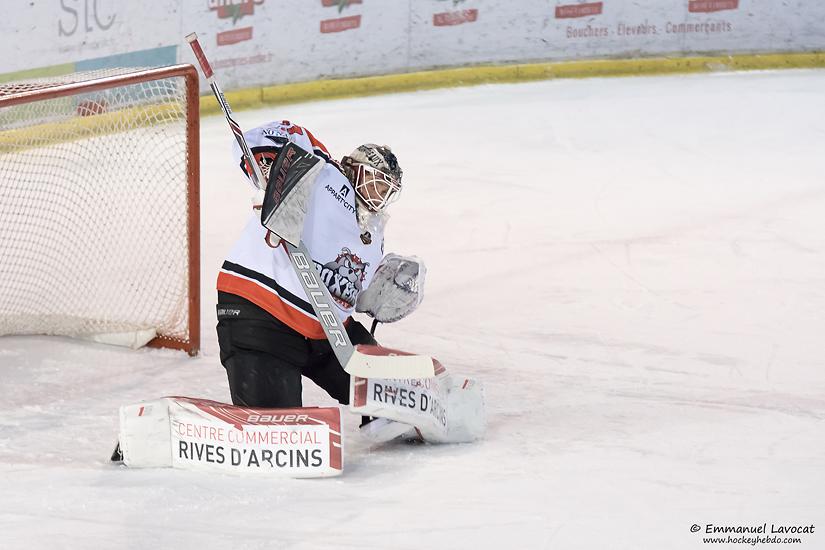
(270, 336)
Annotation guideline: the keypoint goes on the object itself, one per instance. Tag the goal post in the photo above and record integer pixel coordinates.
(99, 207)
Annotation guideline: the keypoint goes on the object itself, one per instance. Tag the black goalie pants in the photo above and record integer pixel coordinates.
(265, 359)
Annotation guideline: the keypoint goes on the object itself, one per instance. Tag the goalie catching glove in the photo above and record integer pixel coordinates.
(396, 289)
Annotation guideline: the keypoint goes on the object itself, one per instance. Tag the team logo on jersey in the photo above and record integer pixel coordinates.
(343, 277)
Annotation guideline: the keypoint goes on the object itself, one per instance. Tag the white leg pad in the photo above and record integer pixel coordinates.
(442, 409)
(466, 414)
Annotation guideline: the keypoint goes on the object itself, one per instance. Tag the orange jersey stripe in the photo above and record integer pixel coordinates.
(317, 144)
(272, 303)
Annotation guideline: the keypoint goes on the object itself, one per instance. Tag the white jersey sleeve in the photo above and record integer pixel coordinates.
(265, 141)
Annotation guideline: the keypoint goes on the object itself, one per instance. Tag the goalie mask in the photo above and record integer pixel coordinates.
(375, 175)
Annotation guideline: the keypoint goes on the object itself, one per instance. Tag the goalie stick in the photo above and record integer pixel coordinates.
(366, 361)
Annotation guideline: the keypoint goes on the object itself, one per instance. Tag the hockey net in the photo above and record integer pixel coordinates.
(99, 215)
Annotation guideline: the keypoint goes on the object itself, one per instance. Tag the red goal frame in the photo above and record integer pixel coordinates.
(190, 75)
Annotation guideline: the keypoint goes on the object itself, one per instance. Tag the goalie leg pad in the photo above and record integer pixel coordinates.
(204, 435)
(442, 409)
(466, 414)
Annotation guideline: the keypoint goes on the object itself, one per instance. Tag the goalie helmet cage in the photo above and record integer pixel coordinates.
(99, 206)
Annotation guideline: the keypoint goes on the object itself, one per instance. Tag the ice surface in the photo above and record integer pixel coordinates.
(634, 267)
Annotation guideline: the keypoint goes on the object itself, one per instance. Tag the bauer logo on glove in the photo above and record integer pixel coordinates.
(396, 289)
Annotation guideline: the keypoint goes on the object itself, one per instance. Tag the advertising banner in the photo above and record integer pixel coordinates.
(483, 31)
(476, 31)
(612, 28)
(67, 35)
(254, 43)
(264, 42)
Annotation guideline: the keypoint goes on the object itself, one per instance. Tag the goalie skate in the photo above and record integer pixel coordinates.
(381, 430)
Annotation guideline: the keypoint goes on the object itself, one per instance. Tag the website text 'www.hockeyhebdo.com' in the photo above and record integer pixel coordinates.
(752, 534)
(752, 540)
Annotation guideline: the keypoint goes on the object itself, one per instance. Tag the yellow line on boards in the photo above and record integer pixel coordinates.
(490, 74)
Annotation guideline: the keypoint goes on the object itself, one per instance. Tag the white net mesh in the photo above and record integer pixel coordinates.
(94, 209)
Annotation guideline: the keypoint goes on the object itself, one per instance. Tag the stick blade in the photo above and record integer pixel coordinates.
(381, 362)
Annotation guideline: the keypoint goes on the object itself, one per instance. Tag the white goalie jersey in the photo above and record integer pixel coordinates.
(258, 268)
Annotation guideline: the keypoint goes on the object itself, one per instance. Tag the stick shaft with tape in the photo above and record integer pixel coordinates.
(254, 169)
